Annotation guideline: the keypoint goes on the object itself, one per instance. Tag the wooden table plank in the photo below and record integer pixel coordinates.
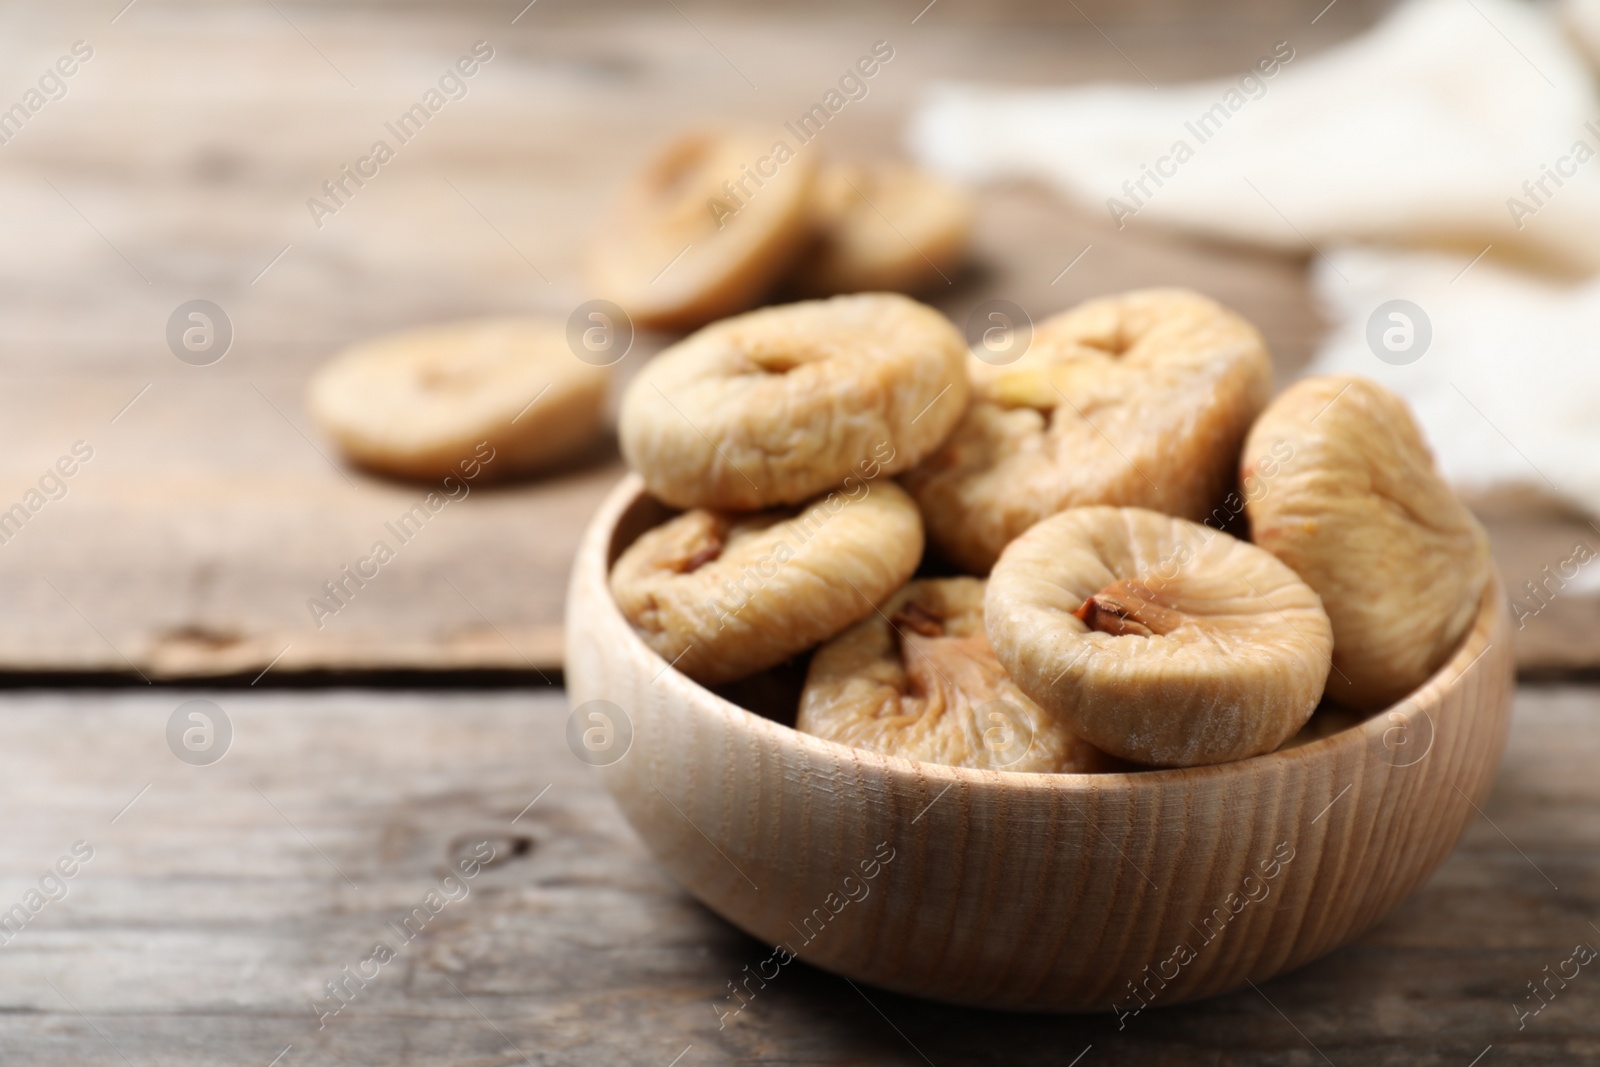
(219, 903)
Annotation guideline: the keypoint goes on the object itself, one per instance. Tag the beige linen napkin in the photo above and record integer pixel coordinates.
(1452, 121)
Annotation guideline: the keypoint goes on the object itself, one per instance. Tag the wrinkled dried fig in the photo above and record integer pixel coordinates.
(1139, 399)
(883, 227)
(721, 596)
(1157, 639)
(703, 231)
(918, 679)
(778, 405)
(420, 403)
(1350, 498)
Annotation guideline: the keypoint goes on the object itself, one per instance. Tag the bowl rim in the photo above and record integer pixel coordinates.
(594, 556)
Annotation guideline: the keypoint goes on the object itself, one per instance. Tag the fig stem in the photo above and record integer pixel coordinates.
(1128, 609)
(919, 619)
(702, 557)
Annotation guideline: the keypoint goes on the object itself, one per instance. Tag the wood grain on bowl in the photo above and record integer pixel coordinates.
(1035, 892)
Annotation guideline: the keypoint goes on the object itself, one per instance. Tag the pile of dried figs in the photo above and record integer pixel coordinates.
(718, 221)
(713, 224)
(1101, 482)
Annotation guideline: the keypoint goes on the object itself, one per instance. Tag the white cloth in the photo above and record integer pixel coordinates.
(1423, 129)
(1507, 389)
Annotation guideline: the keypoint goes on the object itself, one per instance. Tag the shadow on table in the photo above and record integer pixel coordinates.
(1368, 1002)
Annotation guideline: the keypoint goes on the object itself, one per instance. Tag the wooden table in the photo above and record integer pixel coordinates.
(221, 898)
(179, 164)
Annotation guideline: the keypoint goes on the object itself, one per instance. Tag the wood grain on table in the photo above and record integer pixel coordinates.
(179, 165)
(221, 899)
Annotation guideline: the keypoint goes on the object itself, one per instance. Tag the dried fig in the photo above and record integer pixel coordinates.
(883, 227)
(918, 679)
(703, 231)
(722, 595)
(1140, 399)
(778, 405)
(1350, 498)
(420, 403)
(1157, 639)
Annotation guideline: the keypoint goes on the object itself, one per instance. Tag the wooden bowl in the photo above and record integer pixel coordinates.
(1032, 891)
